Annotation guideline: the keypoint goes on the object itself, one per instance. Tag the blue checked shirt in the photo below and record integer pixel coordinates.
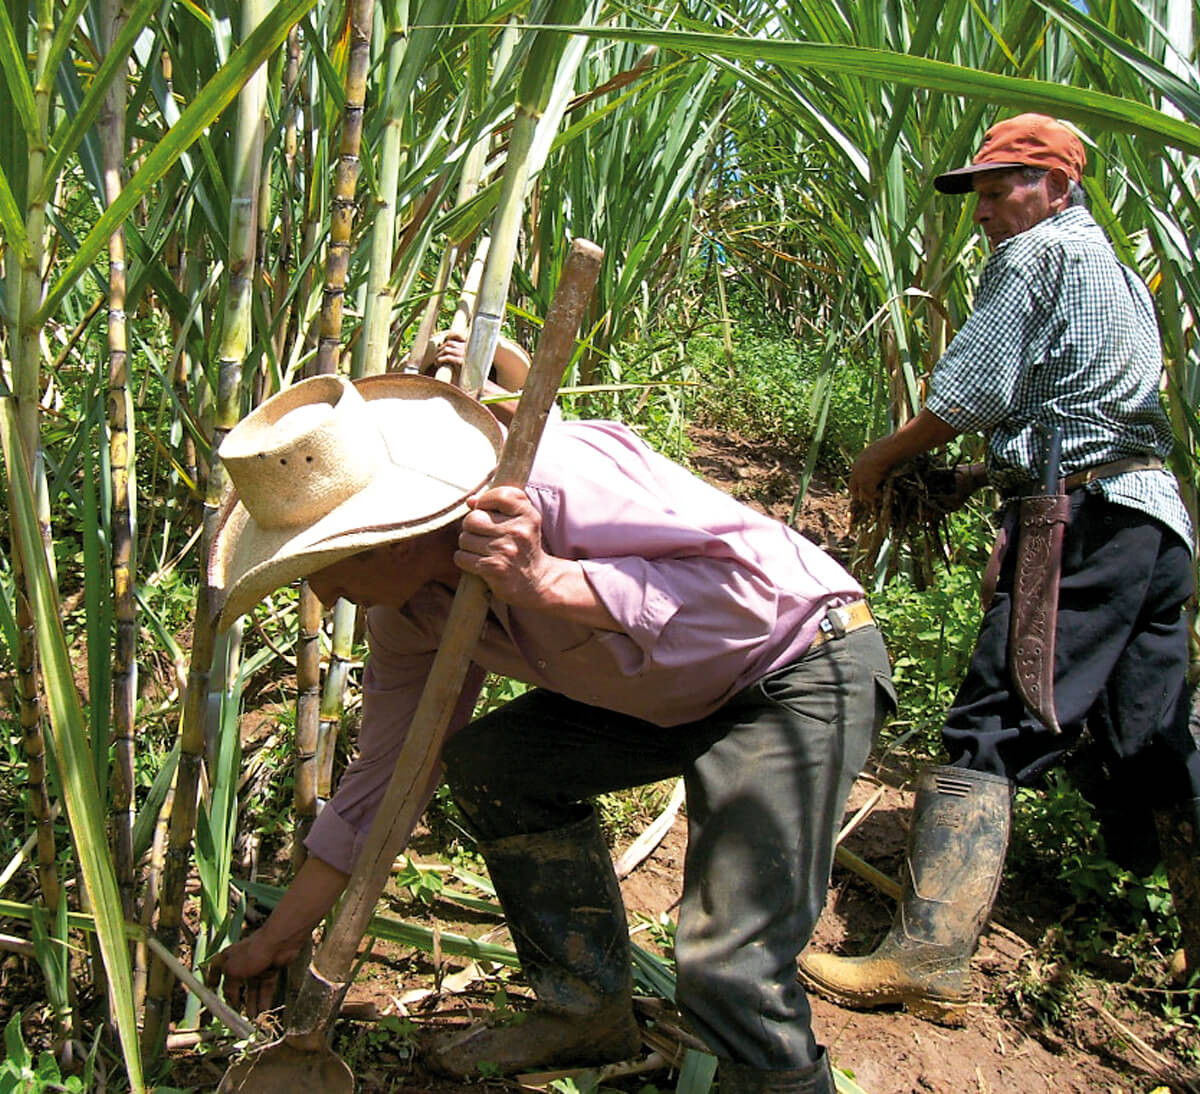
(1062, 333)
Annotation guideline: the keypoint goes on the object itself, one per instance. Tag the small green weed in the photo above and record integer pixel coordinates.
(497, 690)
(19, 1074)
(394, 1034)
(358, 1042)
(661, 931)
(502, 1008)
(423, 885)
(930, 635)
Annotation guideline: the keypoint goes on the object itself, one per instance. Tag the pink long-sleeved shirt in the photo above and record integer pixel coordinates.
(710, 596)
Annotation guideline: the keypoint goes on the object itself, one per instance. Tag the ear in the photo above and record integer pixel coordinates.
(1058, 189)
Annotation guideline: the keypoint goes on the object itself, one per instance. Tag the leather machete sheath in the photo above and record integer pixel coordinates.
(1043, 517)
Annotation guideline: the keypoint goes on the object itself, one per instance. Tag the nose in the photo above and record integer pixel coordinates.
(324, 591)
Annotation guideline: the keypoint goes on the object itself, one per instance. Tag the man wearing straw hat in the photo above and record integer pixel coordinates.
(1060, 365)
(666, 629)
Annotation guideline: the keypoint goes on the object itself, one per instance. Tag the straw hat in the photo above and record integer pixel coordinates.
(328, 468)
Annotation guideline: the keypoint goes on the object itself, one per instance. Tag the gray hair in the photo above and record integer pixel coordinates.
(1076, 196)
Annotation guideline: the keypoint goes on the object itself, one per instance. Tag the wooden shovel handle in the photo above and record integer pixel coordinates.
(421, 752)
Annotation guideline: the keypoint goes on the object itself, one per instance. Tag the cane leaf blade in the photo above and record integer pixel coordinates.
(84, 805)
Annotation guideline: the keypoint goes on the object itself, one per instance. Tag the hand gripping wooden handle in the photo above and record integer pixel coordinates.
(421, 751)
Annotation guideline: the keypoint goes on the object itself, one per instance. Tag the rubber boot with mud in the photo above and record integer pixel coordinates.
(567, 921)
(959, 836)
(740, 1079)
(1179, 840)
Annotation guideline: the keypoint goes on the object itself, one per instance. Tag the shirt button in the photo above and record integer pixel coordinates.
(540, 663)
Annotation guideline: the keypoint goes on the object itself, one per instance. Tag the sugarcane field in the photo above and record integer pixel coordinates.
(599, 548)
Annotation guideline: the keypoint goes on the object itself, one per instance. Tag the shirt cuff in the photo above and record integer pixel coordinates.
(959, 417)
(629, 589)
(334, 840)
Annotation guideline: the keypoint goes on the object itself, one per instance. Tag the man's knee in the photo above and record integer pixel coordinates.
(477, 767)
(461, 755)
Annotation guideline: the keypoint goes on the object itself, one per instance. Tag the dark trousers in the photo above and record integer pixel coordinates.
(1120, 663)
(767, 778)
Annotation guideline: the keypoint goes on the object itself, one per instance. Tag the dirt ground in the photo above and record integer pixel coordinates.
(1099, 1045)
(1102, 1047)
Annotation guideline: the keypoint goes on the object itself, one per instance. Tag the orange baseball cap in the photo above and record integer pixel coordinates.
(1028, 140)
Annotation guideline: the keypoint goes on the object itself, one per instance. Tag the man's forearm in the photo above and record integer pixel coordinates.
(251, 964)
(310, 897)
(568, 594)
(924, 432)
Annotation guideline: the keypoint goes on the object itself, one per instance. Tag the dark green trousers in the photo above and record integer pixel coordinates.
(767, 778)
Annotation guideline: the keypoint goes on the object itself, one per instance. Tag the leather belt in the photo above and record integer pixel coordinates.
(843, 620)
(1107, 470)
(1090, 474)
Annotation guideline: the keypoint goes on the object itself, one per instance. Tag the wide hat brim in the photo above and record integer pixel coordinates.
(443, 448)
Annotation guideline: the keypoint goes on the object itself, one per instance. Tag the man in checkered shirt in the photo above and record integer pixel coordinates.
(1064, 336)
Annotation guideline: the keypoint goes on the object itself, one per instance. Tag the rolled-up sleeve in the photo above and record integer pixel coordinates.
(974, 385)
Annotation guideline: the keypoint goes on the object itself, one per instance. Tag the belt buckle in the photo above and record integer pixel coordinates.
(834, 623)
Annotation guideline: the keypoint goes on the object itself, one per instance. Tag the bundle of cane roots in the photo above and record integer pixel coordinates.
(911, 522)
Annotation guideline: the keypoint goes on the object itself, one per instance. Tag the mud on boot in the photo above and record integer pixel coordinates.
(567, 921)
(959, 836)
(740, 1079)
(535, 1040)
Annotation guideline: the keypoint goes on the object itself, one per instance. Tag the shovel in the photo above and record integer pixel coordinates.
(302, 1061)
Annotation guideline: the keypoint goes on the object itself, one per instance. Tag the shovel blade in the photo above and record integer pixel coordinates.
(281, 1068)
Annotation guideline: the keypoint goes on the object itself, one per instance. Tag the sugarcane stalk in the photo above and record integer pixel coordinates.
(506, 228)
(158, 851)
(308, 698)
(533, 96)
(380, 298)
(468, 186)
(307, 320)
(337, 676)
(308, 651)
(235, 339)
(337, 261)
(122, 470)
(283, 274)
(312, 733)
(25, 294)
(176, 254)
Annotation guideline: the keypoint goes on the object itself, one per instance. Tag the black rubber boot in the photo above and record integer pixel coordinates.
(959, 836)
(739, 1079)
(567, 921)
(1179, 839)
